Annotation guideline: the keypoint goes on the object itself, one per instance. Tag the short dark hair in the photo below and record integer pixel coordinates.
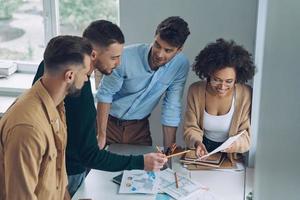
(174, 30)
(221, 54)
(65, 50)
(103, 33)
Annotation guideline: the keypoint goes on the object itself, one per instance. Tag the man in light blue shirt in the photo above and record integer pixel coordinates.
(127, 97)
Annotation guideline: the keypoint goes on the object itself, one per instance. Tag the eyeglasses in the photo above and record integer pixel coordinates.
(215, 81)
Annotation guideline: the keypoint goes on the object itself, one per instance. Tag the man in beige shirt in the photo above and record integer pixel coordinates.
(33, 131)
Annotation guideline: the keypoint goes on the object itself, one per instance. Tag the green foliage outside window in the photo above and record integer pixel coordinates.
(80, 13)
(249, 196)
(7, 7)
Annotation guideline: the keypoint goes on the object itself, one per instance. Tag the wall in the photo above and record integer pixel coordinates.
(277, 174)
(208, 20)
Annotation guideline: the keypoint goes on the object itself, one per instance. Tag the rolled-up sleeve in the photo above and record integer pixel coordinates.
(172, 102)
(109, 85)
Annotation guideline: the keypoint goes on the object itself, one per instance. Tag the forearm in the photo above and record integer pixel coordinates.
(169, 135)
(19, 182)
(192, 128)
(192, 132)
(192, 138)
(243, 143)
(102, 118)
(107, 161)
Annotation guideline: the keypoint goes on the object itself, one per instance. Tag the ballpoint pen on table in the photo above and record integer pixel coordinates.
(176, 179)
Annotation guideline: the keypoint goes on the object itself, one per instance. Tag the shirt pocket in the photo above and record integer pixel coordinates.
(48, 162)
(157, 91)
(165, 81)
(47, 173)
(134, 85)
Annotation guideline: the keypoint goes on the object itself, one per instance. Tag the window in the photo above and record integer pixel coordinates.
(75, 16)
(21, 30)
(27, 25)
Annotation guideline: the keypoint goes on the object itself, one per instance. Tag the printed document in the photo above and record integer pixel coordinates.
(224, 146)
(187, 188)
(139, 181)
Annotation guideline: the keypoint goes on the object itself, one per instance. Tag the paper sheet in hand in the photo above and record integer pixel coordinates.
(224, 146)
(139, 181)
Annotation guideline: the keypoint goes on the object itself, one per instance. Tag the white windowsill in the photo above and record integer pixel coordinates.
(17, 83)
(11, 87)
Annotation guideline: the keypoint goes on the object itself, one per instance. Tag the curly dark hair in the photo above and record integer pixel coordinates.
(221, 54)
(173, 30)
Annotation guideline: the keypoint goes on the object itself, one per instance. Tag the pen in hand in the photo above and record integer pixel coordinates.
(159, 151)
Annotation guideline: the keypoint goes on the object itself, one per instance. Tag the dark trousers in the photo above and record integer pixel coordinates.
(128, 131)
(210, 145)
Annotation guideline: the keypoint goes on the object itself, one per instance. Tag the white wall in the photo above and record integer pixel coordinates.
(277, 173)
(208, 20)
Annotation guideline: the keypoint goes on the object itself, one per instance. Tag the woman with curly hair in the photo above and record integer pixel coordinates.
(219, 105)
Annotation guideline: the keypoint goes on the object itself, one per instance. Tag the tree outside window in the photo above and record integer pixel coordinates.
(22, 24)
(75, 16)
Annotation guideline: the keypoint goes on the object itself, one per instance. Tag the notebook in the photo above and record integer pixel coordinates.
(213, 159)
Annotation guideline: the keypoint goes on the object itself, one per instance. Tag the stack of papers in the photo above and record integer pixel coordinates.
(7, 68)
(215, 160)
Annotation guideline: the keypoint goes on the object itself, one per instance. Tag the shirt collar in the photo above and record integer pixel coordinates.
(146, 61)
(54, 112)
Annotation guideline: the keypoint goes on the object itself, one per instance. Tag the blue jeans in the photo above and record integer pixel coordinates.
(74, 182)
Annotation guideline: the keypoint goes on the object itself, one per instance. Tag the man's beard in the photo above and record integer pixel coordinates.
(73, 91)
(98, 65)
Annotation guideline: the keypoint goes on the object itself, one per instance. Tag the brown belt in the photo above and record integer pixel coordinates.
(124, 122)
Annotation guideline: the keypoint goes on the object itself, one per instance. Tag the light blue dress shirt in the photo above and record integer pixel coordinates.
(134, 89)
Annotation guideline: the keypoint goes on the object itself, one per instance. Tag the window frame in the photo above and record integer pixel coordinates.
(51, 29)
(27, 69)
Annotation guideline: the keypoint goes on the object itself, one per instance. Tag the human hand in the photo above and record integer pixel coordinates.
(231, 148)
(200, 149)
(101, 141)
(154, 161)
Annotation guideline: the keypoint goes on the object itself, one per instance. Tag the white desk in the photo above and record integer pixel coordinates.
(5, 103)
(249, 182)
(226, 185)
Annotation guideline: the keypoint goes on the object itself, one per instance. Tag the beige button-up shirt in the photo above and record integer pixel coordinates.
(32, 148)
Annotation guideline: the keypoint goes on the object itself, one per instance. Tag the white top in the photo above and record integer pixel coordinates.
(216, 127)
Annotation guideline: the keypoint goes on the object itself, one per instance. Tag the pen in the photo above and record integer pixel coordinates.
(176, 179)
(158, 149)
(177, 154)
